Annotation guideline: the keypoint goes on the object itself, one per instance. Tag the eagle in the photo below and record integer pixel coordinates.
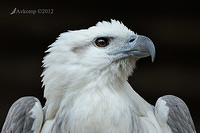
(86, 87)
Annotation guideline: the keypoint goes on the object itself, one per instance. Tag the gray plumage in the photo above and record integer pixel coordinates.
(19, 118)
(179, 118)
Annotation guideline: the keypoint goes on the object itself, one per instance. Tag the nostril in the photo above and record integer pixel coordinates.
(131, 40)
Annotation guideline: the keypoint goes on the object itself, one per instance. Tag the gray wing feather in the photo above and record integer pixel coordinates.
(19, 118)
(179, 118)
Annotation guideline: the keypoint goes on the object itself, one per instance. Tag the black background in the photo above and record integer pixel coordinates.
(173, 26)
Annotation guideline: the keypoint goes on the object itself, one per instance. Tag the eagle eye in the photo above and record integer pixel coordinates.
(101, 42)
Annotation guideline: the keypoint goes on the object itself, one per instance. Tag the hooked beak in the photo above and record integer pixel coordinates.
(141, 47)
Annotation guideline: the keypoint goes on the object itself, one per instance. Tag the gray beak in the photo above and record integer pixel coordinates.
(141, 47)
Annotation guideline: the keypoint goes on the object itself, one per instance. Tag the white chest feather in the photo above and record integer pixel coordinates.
(98, 111)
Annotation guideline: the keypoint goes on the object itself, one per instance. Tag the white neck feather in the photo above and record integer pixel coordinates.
(61, 82)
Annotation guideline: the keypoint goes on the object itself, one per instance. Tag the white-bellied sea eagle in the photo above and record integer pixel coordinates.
(86, 89)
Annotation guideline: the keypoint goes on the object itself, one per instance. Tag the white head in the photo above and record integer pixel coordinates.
(105, 52)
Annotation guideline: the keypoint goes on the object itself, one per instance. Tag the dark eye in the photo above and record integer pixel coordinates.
(101, 42)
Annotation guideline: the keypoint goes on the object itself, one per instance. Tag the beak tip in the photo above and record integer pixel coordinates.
(147, 45)
(152, 59)
(151, 49)
(153, 54)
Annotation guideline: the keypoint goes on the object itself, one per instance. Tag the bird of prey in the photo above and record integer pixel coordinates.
(86, 89)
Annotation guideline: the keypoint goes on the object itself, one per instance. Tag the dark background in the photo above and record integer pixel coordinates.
(174, 27)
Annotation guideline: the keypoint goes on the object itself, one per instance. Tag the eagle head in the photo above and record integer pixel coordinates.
(105, 53)
(106, 47)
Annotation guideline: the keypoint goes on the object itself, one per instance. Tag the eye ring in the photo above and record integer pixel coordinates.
(102, 42)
